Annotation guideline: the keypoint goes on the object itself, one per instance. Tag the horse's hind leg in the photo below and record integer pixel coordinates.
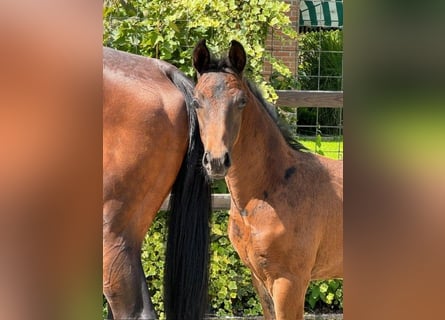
(123, 279)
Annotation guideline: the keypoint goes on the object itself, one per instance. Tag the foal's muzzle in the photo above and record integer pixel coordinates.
(216, 167)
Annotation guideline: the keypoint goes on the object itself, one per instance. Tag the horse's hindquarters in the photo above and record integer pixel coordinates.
(144, 143)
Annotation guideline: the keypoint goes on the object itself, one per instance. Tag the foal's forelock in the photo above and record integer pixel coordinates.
(218, 85)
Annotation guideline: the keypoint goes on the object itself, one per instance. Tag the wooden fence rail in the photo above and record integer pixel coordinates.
(289, 98)
(220, 201)
(309, 98)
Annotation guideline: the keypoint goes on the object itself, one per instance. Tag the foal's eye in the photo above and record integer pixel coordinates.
(195, 104)
(242, 102)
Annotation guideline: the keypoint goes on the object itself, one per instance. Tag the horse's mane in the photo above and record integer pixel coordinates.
(217, 64)
(280, 123)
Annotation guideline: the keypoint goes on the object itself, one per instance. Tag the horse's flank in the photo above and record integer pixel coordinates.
(132, 116)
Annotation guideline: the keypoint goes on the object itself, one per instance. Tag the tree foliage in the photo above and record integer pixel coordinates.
(169, 30)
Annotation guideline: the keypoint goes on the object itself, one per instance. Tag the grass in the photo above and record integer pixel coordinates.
(331, 149)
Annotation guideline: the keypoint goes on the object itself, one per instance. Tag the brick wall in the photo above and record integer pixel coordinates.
(284, 49)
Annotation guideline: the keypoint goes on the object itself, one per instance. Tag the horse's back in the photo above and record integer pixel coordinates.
(144, 136)
(335, 170)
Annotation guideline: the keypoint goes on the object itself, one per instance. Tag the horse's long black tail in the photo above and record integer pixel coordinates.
(187, 256)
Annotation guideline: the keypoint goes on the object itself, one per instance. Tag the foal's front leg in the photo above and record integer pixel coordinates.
(265, 299)
(288, 295)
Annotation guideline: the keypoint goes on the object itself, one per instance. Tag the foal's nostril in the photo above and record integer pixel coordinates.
(206, 158)
(227, 162)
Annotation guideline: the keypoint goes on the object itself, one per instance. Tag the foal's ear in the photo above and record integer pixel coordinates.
(201, 57)
(237, 56)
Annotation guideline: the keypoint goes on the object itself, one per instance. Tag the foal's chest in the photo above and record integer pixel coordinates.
(255, 228)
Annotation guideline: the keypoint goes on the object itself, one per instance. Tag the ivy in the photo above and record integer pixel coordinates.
(169, 30)
(328, 293)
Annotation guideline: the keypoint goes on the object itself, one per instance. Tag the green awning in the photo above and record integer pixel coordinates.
(321, 13)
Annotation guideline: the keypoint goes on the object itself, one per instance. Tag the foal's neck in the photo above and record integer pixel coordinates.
(259, 156)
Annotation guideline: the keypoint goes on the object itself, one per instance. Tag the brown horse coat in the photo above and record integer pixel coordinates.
(147, 130)
(286, 219)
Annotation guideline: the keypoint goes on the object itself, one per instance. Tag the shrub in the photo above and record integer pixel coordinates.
(169, 32)
(325, 296)
(320, 53)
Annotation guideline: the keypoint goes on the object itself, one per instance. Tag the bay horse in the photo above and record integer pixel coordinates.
(151, 145)
(286, 219)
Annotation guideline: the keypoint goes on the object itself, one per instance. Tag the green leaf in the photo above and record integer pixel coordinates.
(324, 287)
(232, 285)
(329, 298)
(274, 21)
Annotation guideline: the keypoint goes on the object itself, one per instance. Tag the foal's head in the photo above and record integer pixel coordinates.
(220, 97)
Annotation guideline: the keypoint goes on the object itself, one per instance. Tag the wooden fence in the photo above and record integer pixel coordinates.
(317, 99)
(220, 201)
(288, 98)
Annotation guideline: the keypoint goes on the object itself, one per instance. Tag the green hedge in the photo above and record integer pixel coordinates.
(169, 32)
